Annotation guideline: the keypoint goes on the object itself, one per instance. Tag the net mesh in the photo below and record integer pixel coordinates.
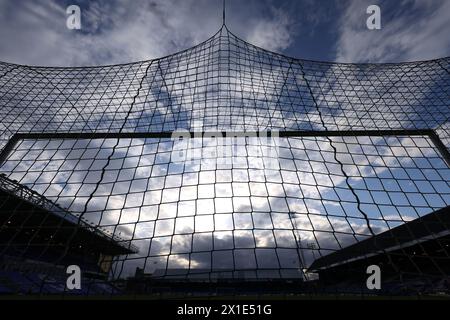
(91, 175)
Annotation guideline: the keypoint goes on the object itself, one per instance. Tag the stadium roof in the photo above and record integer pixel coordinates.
(13, 195)
(429, 227)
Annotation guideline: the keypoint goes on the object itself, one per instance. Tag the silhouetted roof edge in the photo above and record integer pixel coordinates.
(17, 190)
(431, 226)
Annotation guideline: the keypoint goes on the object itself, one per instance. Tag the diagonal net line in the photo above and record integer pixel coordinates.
(257, 216)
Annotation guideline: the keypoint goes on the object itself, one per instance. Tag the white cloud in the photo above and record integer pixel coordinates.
(120, 31)
(416, 30)
(274, 34)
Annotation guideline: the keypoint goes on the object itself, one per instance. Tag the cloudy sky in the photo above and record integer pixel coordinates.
(119, 31)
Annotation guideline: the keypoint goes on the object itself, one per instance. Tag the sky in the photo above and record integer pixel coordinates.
(245, 200)
(115, 31)
(119, 31)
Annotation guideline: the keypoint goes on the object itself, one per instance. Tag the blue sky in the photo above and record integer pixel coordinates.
(114, 31)
(118, 31)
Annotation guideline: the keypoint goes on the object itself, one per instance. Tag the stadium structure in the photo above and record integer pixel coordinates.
(285, 171)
